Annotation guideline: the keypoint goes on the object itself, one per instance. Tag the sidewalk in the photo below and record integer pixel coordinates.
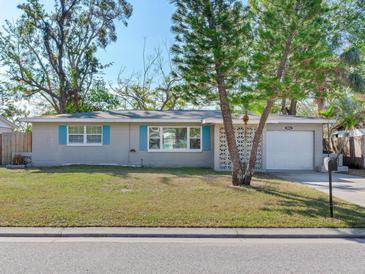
(136, 232)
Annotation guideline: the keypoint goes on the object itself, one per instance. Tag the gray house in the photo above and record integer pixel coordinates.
(5, 125)
(173, 139)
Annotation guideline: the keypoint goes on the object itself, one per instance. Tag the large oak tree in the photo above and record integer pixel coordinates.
(52, 53)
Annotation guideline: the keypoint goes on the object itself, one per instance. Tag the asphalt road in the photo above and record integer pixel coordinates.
(181, 255)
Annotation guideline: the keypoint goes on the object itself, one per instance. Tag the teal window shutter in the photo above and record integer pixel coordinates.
(62, 134)
(143, 138)
(106, 135)
(206, 138)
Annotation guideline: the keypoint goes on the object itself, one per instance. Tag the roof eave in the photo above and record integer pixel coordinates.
(106, 120)
(274, 121)
(7, 122)
(202, 121)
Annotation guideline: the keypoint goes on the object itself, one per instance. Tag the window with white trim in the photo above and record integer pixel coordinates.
(85, 135)
(174, 138)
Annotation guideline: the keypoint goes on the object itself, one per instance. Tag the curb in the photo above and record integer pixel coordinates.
(186, 236)
(193, 233)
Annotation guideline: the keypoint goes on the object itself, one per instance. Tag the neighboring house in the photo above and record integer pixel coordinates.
(173, 139)
(5, 125)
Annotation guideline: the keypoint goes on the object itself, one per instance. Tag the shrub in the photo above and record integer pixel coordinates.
(19, 160)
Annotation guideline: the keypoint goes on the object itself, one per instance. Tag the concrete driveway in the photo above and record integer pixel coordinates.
(346, 187)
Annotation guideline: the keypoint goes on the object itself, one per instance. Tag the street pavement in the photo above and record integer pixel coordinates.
(347, 187)
(167, 255)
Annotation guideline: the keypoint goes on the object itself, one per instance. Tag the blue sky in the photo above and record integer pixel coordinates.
(151, 20)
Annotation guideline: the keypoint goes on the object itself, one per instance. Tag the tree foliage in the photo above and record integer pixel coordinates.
(210, 32)
(209, 50)
(99, 98)
(347, 66)
(347, 110)
(350, 20)
(158, 87)
(52, 53)
(289, 49)
(10, 110)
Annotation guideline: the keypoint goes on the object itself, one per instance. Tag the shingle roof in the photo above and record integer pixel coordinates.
(204, 116)
(142, 114)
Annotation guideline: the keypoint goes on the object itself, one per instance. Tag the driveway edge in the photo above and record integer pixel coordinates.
(218, 233)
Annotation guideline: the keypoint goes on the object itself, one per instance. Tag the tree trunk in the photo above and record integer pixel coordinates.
(256, 141)
(265, 115)
(283, 106)
(293, 107)
(62, 104)
(237, 168)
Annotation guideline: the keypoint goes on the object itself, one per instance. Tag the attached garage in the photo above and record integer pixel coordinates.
(288, 143)
(290, 150)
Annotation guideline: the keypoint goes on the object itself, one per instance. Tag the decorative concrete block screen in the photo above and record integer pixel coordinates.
(244, 147)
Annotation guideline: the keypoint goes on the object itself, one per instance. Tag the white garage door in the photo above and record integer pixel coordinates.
(289, 150)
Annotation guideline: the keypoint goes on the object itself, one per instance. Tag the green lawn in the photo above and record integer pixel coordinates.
(115, 196)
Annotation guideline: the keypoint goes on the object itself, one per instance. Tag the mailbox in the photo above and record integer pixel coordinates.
(330, 164)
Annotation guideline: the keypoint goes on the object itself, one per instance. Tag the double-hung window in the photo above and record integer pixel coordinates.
(76, 135)
(85, 135)
(174, 138)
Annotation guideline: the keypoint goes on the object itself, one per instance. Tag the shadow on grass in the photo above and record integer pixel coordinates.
(120, 171)
(289, 203)
(296, 204)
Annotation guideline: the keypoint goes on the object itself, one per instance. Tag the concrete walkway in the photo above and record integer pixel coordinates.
(347, 187)
(145, 232)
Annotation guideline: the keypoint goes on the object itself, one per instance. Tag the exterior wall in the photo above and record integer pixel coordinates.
(5, 129)
(318, 139)
(168, 159)
(46, 150)
(124, 140)
(124, 148)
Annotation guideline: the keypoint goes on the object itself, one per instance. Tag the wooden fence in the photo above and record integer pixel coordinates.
(353, 150)
(12, 144)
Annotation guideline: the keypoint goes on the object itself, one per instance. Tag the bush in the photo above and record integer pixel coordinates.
(19, 160)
